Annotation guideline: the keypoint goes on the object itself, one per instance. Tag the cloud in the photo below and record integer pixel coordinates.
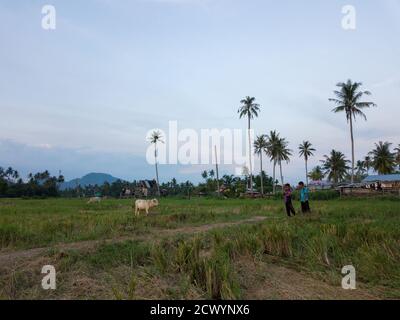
(392, 81)
(76, 162)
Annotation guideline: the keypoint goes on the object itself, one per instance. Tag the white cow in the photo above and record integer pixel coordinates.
(94, 199)
(145, 205)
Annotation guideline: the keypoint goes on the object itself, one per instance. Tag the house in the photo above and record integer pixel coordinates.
(385, 182)
(126, 193)
(353, 189)
(319, 185)
(146, 188)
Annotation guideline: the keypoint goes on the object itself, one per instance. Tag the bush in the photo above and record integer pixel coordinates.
(315, 195)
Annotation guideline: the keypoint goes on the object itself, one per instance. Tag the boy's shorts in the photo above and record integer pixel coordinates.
(305, 207)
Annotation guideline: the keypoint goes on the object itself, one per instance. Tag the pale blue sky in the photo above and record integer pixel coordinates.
(82, 97)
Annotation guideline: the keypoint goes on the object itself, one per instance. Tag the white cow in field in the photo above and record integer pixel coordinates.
(145, 205)
(94, 199)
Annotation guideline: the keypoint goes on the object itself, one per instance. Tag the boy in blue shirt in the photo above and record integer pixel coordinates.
(304, 196)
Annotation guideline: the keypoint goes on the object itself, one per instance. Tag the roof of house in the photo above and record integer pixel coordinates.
(148, 183)
(319, 183)
(383, 178)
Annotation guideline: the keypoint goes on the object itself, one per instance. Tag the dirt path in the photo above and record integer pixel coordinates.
(7, 259)
(259, 280)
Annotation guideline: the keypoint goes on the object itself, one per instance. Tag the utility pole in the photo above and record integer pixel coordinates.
(216, 167)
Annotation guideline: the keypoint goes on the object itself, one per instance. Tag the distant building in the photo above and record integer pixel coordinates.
(146, 188)
(383, 182)
(319, 185)
(126, 193)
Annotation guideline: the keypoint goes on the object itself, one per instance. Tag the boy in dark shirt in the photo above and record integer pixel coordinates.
(287, 194)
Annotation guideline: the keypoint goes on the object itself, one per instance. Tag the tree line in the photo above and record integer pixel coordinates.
(41, 184)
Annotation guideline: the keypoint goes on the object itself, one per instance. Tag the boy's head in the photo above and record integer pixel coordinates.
(301, 184)
(287, 186)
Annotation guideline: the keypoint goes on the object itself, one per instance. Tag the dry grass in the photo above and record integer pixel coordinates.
(200, 249)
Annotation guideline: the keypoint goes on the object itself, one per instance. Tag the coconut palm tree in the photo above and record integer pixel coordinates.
(361, 172)
(156, 137)
(306, 150)
(335, 166)
(249, 109)
(283, 153)
(360, 165)
(316, 174)
(367, 163)
(272, 147)
(383, 161)
(349, 100)
(260, 146)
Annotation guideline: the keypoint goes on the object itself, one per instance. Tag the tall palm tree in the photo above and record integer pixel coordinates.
(260, 146)
(283, 153)
(156, 137)
(249, 109)
(348, 99)
(360, 165)
(383, 161)
(272, 148)
(361, 172)
(316, 174)
(367, 163)
(335, 166)
(397, 155)
(306, 150)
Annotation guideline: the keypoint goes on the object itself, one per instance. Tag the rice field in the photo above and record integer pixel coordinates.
(199, 249)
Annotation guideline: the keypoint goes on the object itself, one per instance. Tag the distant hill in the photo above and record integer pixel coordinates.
(89, 179)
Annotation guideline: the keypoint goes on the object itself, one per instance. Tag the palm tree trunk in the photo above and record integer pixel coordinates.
(352, 149)
(262, 183)
(280, 168)
(250, 166)
(306, 173)
(273, 182)
(155, 155)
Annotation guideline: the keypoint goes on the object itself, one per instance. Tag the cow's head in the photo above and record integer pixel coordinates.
(154, 202)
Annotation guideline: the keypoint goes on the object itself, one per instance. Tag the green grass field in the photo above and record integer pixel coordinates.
(199, 249)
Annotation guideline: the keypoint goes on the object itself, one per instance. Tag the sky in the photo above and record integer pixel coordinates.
(81, 98)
